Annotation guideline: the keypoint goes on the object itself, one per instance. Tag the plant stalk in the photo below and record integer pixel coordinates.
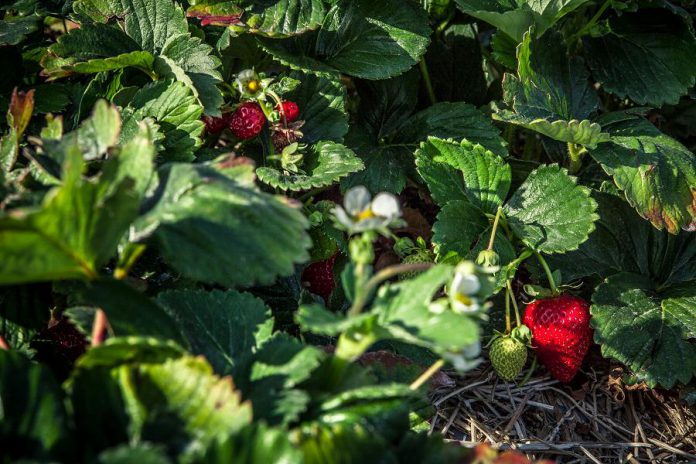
(426, 80)
(575, 153)
(508, 324)
(491, 241)
(432, 370)
(547, 270)
(514, 303)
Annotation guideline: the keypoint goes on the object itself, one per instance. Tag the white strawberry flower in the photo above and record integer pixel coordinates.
(360, 212)
(466, 359)
(250, 85)
(463, 289)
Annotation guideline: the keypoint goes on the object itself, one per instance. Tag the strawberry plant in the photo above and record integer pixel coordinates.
(221, 221)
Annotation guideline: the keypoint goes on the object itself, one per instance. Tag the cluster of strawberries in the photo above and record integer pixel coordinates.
(247, 121)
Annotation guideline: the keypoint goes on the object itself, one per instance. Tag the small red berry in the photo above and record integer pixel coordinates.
(319, 278)
(291, 110)
(215, 125)
(561, 333)
(247, 121)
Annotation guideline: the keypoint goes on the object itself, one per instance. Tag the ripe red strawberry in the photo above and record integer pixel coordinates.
(561, 333)
(215, 125)
(59, 345)
(292, 111)
(247, 121)
(318, 277)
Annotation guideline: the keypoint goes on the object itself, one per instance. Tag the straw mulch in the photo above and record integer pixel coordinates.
(597, 419)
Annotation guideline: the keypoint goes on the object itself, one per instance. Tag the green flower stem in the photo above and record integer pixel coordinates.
(279, 103)
(514, 303)
(575, 153)
(432, 370)
(508, 324)
(132, 252)
(585, 29)
(491, 241)
(529, 373)
(547, 270)
(385, 274)
(426, 79)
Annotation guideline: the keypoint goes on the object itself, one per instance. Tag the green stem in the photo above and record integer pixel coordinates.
(575, 153)
(529, 372)
(495, 227)
(279, 104)
(592, 21)
(381, 276)
(426, 79)
(432, 370)
(547, 270)
(514, 303)
(508, 324)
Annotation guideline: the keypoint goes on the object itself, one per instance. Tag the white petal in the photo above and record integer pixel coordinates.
(460, 307)
(246, 75)
(466, 284)
(386, 205)
(357, 200)
(342, 217)
(472, 350)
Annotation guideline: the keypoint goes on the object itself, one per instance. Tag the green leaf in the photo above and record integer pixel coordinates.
(14, 29)
(225, 327)
(385, 170)
(255, 443)
(280, 365)
(362, 38)
(149, 24)
(649, 333)
(143, 453)
(212, 224)
(463, 171)
(150, 35)
(647, 57)
(325, 164)
(177, 402)
(656, 173)
(623, 241)
(452, 120)
(33, 417)
(191, 61)
(130, 313)
(551, 93)
(550, 213)
(284, 17)
(403, 310)
(515, 17)
(175, 109)
(322, 107)
(386, 140)
(52, 242)
(315, 318)
(459, 224)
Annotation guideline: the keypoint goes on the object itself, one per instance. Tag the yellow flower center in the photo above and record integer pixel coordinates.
(253, 86)
(463, 299)
(366, 214)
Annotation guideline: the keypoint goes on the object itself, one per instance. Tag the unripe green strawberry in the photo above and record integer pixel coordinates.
(416, 258)
(508, 357)
(323, 246)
